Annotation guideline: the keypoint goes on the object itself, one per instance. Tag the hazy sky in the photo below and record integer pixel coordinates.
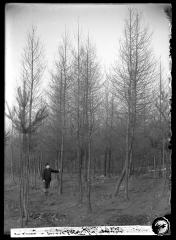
(105, 24)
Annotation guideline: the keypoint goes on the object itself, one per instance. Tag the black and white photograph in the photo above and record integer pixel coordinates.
(87, 119)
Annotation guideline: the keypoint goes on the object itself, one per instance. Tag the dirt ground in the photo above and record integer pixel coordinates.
(149, 198)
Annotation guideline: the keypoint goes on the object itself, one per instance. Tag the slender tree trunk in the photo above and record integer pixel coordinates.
(89, 207)
(125, 172)
(79, 175)
(24, 182)
(61, 165)
(26, 191)
(130, 107)
(154, 163)
(75, 163)
(105, 162)
(35, 171)
(78, 122)
(163, 155)
(39, 165)
(31, 104)
(131, 168)
(85, 157)
(12, 159)
(21, 190)
(120, 181)
(31, 169)
(109, 162)
(94, 167)
(57, 163)
(127, 161)
(63, 116)
(12, 163)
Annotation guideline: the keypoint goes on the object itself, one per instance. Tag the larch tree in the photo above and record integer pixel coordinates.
(33, 68)
(19, 117)
(132, 81)
(109, 107)
(85, 101)
(59, 97)
(91, 102)
(77, 53)
(27, 115)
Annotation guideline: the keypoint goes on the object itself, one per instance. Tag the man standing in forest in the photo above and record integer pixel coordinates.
(46, 177)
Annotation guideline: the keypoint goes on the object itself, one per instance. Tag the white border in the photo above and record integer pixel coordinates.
(81, 231)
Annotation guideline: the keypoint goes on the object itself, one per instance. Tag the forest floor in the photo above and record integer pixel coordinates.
(148, 198)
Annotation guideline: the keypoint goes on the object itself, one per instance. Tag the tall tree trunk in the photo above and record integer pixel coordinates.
(79, 175)
(12, 157)
(127, 159)
(125, 172)
(154, 163)
(89, 207)
(35, 171)
(94, 167)
(85, 156)
(120, 181)
(12, 163)
(26, 190)
(57, 162)
(24, 182)
(163, 156)
(61, 165)
(78, 121)
(130, 107)
(109, 162)
(64, 115)
(105, 161)
(21, 190)
(39, 165)
(75, 163)
(131, 166)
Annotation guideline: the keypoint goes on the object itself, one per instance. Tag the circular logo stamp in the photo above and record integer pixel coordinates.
(160, 226)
